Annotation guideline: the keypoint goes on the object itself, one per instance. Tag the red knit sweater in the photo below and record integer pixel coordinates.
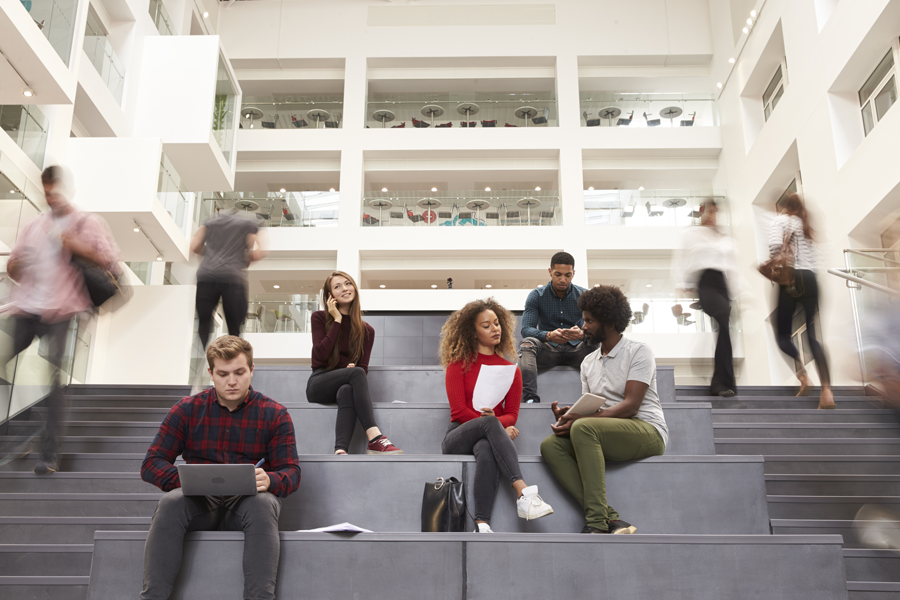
(461, 386)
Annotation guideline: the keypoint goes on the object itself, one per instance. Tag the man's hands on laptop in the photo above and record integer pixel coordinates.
(262, 480)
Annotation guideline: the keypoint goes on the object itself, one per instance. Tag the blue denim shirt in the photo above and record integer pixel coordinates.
(546, 312)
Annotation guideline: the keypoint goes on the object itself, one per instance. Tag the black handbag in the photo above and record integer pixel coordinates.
(444, 506)
(102, 284)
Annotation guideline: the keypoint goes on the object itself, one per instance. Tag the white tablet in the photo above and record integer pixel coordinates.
(588, 404)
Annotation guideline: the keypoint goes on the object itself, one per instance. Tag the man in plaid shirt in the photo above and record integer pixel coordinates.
(551, 326)
(230, 423)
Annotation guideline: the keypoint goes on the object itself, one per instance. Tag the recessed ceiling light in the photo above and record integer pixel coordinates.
(537, 189)
(283, 190)
(383, 189)
(488, 285)
(331, 190)
(487, 189)
(731, 60)
(749, 21)
(277, 287)
(745, 30)
(433, 189)
(752, 13)
(641, 188)
(381, 286)
(136, 227)
(159, 257)
(433, 286)
(591, 189)
(719, 85)
(28, 92)
(649, 285)
(206, 15)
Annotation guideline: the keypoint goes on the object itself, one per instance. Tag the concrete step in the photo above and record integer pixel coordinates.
(43, 587)
(833, 485)
(175, 391)
(498, 566)
(123, 401)
(75, 482)
(806, 430)
(704, 494)
(35, 560)
(417, 428)
(873, 590)
(824, 507)
(831, 464)
(64, 530)
(842, 527)
(865, 564)
(83, 461)
(770, 390)
(774, 403)
(808, 446)
(803, 415)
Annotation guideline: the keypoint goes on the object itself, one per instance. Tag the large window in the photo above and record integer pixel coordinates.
(879, 92)
(775, 90)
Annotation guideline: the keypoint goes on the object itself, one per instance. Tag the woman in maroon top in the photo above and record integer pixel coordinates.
(472, 338)
(342, 344)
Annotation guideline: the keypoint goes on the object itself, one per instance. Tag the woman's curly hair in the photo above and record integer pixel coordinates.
(608, 305)
(458, 341)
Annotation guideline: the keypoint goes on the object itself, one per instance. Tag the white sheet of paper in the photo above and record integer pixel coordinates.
(492, 385)
(338, 528)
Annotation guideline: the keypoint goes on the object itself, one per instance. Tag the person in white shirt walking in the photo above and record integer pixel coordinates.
(794, 225)
(706, 266)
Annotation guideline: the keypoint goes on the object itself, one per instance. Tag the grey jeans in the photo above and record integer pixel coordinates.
(536, 355)
(177, 514)
(494, 452)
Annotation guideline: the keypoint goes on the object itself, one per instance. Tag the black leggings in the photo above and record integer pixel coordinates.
(787, 304)
(713, 293)
(349, 388)
(234, 305)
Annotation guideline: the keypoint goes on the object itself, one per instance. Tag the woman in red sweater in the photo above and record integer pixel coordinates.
(342, 344)
(474, 340)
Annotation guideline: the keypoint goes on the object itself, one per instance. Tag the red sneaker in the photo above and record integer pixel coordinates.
(382, 446)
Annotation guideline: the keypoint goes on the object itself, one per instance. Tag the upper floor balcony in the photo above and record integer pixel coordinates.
(293, 111)
(161, 18)
(651, 208)
(621, 109)
(28, 127)
(103, 57)
(275, 209)
(437, 110)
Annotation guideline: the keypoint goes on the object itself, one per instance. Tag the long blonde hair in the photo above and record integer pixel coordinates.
(459, 342)
(357, 325)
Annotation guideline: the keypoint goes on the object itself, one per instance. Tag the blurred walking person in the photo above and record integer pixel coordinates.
(228, 244)
(51, 289)
(706, 267)
(793, 227)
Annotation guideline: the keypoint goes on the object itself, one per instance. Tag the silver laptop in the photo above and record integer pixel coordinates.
(217, 480)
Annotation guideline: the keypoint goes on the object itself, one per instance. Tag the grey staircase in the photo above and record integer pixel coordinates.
(702, 517)
(821, 467)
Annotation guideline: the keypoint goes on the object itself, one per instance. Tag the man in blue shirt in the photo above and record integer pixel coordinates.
(551, 326)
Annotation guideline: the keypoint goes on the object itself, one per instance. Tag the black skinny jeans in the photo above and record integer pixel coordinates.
(486, 438)
(809, 299)
(349, 388)
(713, 293)
(234, 305)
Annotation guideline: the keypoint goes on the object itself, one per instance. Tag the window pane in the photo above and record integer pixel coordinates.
(868, 121)
(772, 85)
(768, 111)
(886, 98)
(876, 77)
(777, 97)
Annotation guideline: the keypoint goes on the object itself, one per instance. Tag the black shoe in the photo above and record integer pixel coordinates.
(696, 306)
(46, 466)
(589, 529)
(619, 526)
(727, 394)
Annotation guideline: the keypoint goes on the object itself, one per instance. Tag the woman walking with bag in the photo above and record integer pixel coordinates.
(342, 345)
(793, 227)
(473, 342)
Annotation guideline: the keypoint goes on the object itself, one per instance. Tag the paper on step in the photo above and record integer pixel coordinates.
(492, 386)
(338, 528)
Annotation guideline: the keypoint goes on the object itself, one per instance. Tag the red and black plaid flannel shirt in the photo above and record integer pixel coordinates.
(203, 431)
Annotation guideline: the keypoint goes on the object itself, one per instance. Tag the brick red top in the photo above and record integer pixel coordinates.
(323, 343)
(461, 386)
(203, 431)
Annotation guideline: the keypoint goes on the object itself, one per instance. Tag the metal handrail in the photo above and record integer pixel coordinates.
(860, 281)
(862, 252)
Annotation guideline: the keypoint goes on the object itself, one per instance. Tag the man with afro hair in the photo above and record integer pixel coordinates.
(629, 426)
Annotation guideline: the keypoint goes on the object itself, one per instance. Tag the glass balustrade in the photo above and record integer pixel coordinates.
(671, 314)
(507, 208)
(308, 111)
(291, 314)
(651, 208)
(173, 195)
(275, 209)
(56, 20)
(620, 109)
(444, 110)
(28, 128)
(160, 17)
(101, 54)
(223, 124)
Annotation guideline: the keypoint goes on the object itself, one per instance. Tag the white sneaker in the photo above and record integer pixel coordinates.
(531, 506)
(483, 528)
